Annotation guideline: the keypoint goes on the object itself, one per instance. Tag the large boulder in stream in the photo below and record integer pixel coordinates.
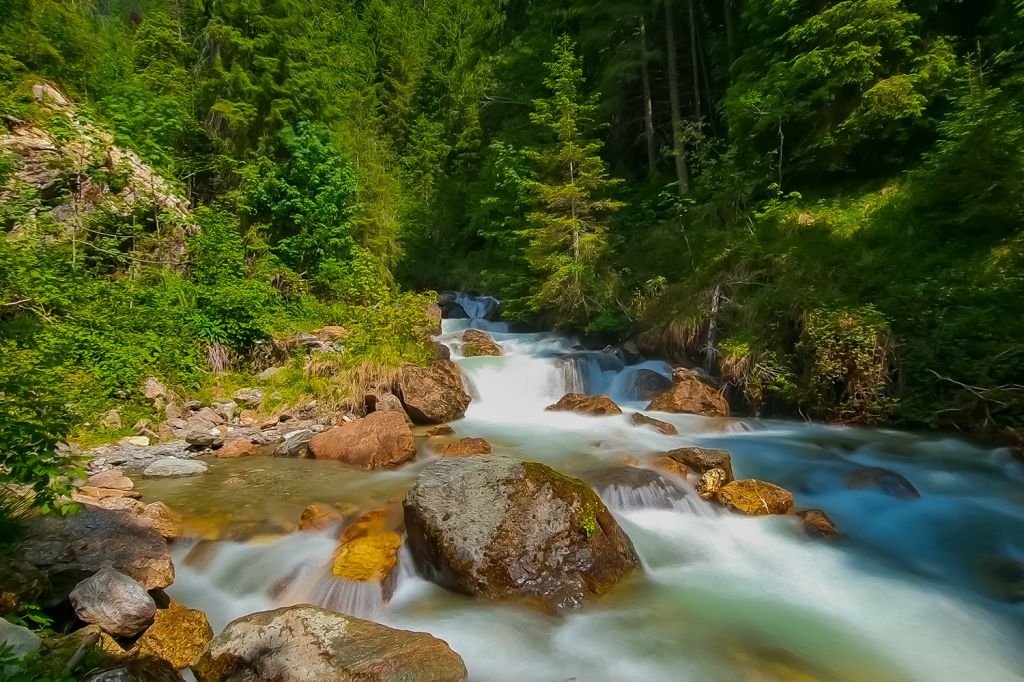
(433, 394)
(114, 602)
(690, 395)
(305, 643)
(476, 343)
(594, 405)
(380, 440)
(496, 527)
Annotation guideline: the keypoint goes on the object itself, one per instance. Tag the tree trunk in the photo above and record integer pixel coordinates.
(682, 172)
(652, 154)
(730, 30)
(695, 59)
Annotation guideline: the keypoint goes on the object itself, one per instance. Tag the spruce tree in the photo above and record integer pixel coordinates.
(567, 230)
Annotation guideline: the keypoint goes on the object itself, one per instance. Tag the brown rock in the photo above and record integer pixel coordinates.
(467, 446)
(711, 481)
(237, 447)
(434, 394)
(372, 522)
(380, 440)
(440, 430)
(112, 479)
(817, 524)
(639, 419)
(476, 343)
(369, 558)
(755, 498)
(318, 516)
(304, 643)
(690, 395)
(700, 460)
(669, 465)
(595, 405)
(248, 418)
(178, 635)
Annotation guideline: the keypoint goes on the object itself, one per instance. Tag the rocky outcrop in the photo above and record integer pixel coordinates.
(433, 394)
(71, 174)
(640, 419)
(303, 643)
(465, 447)
(178, 635)
(884, 481)
(594, 405)
(755, 498)
(690, 395)
(72, 548)
(476, 343)
(700, 460)
(496, 527)
(380, 440)
(114, 602)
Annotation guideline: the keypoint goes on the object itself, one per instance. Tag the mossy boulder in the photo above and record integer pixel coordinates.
(594, 405)
(755, 498)
(496, 527)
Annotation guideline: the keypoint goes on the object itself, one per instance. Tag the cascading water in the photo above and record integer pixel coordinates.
(905, 593)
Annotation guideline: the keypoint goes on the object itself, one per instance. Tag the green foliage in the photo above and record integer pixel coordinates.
(848, 356)
(567, 228)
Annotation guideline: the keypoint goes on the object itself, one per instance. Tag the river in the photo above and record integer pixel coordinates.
(911, 590)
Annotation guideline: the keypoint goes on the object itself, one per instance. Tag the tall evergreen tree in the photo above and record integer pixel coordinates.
(567, 231)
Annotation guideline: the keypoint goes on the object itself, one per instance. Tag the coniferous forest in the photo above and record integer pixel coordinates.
(816, 204)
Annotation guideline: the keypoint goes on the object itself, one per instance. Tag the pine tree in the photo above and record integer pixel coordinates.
(567, 231)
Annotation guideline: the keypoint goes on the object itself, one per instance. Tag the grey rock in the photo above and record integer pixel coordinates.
(304, 643)
(22, 642)
(249, 396)
(295, 444)
(138, 669)
(114, 602)
(496, 527)
(71, 548)
(173, 467)
(269, 373)
(225, 408)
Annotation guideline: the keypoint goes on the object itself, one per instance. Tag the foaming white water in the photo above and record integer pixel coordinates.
(897, 597)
